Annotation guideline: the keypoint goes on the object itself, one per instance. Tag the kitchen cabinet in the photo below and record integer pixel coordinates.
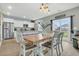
(8, 30)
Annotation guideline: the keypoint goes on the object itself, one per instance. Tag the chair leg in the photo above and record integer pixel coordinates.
(59, 50)
(21, 51)
(61, 47)
(56, 51)
(52, 51)
(34, 51)
(20, 54)
(39, 50)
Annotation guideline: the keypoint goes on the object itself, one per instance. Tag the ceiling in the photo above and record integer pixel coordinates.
(32, 10)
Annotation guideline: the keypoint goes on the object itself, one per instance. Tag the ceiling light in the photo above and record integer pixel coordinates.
(44, 7)
(10, 7)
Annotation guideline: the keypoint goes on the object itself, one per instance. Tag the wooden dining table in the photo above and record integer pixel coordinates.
(37, 38)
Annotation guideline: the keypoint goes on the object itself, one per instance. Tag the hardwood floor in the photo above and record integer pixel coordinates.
(9, 48)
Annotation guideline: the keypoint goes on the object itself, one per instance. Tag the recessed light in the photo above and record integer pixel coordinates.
(34, 19)
(58, 10)
(8, 13)
(24, 16)
(10, 7)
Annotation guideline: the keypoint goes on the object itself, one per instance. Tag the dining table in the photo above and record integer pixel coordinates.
(38, 39)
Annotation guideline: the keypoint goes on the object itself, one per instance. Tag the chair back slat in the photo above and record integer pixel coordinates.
(18, 36)
(57, 37)
(60, 37)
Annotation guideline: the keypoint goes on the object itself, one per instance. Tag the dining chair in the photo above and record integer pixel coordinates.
(55, 42)
(59, 42)
(39, 49)
(25, 49)
(61, 34)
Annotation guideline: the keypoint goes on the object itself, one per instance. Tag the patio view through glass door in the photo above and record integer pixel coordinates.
(63, 25)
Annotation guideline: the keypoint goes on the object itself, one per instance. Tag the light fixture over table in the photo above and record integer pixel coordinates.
(44, 7)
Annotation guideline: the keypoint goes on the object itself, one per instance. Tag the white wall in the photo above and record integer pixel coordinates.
(74, 11)
(18, 23)
(8, 20)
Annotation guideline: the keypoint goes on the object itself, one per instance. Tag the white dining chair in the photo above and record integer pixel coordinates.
(40, 50)
(25, 49)
(55, 43)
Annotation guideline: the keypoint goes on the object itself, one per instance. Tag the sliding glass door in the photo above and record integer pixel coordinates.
(63, 25)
